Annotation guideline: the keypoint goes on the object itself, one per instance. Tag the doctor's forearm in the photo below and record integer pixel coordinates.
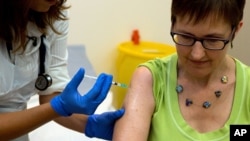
(75, 122)
(15, 124)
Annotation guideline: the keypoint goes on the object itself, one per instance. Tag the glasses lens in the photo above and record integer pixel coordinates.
(213, 44)
(187, 40)
(183, 39)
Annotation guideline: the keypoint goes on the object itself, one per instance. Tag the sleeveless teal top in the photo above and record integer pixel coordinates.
(167, 122)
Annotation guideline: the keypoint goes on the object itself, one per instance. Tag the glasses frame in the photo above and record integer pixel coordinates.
(195, 39)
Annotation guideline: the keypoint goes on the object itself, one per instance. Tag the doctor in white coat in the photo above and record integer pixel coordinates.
(33, 54)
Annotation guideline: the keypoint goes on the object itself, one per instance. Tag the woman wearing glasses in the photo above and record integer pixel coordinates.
(197, 93)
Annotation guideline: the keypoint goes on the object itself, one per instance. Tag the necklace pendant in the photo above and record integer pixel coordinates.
(189, 102)
(224, 79)
(206, 104)
(179, 89)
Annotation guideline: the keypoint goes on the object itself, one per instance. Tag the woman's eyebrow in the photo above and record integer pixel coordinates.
(210, 35)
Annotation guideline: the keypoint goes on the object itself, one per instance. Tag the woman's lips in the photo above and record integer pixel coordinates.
(199, 63)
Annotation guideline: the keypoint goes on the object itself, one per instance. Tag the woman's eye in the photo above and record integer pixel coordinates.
(185, 38)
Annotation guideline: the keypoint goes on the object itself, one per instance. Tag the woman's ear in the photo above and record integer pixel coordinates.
(239, 26)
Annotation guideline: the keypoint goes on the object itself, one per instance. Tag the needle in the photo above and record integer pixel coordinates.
(113, 82)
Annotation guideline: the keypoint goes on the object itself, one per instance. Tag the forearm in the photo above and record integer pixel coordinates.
(16, 124)
(75, 122)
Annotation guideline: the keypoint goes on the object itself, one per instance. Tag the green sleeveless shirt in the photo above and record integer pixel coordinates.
(167, 123)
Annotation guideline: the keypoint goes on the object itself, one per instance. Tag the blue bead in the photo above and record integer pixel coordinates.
(217, 93)
(179, 89)
(189, 102)
(206, 104)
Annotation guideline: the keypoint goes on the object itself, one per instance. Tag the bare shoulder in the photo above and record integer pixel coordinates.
(140, 91)
(143, 76)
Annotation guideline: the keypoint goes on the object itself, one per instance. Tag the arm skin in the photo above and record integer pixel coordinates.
(15, 124)
(75, 122)
(139, 106)
(12, 127)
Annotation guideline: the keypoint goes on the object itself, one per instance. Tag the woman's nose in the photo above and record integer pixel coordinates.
(198, 51)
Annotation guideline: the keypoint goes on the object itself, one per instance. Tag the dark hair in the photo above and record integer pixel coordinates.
(229, 10)
(15, 15)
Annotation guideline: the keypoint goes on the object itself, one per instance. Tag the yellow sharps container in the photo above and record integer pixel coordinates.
(130, 55)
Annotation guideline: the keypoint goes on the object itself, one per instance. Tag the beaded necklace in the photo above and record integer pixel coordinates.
(206, 104)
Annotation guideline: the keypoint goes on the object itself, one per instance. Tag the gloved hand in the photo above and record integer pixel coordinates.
(102, 126)
(71, 101)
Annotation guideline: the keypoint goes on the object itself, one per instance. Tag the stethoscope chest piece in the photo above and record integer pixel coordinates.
(43, 82)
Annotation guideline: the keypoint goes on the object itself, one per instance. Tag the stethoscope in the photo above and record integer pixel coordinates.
(43, 80)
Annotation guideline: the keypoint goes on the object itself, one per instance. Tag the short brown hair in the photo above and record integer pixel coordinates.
(230, 10)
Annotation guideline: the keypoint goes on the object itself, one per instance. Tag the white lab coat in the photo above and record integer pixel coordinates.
(19, 73)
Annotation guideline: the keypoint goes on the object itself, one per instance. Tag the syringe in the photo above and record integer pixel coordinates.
(113, 82)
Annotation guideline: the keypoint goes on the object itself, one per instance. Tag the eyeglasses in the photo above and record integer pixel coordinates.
(208, 43)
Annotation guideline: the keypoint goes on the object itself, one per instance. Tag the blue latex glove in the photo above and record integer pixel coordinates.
(71, 101)
(102, 126)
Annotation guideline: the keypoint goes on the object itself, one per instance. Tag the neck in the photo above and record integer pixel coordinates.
(226, 68)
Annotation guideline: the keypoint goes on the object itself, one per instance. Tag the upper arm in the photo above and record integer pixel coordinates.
(139, 106)
(46, 98)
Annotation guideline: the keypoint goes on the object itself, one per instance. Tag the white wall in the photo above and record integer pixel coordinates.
(101, 25)
(241, 44)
